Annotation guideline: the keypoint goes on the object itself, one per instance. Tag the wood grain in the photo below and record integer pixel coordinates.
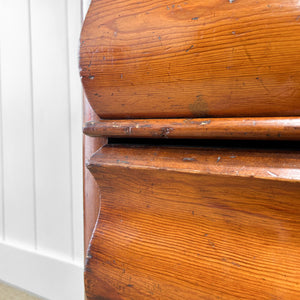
(91, 191)
(284, 128)
(182, 223)
(212, 58)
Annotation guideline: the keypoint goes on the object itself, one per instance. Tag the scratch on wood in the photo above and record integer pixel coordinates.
(122, 161)
(165, 131)
(272, 174)
(191, 47)
(205, 122)
(212, 244)
(128, 130)
(191, 121)
(189, 159)
(235, 264)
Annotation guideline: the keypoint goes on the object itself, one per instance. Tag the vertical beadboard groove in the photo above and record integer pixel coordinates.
(32, 126)
(41, 83)
(73, 12)
(70, 128)
(51, 109)
(1, 157)
(74, 27)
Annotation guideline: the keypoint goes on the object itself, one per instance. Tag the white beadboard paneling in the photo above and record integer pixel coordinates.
(41, 210)
(17, 136)
(42, 275)
(2, 221)
(52, 127)
(75, 115)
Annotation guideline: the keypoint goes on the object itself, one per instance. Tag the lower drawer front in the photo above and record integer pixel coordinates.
(180, 223)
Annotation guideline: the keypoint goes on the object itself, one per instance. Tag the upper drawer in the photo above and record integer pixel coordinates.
(210, 58)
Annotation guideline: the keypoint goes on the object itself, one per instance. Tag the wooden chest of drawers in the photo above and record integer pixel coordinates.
(195, 120)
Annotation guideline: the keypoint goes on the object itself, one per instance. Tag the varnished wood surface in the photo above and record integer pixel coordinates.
(91, 191)
(195, 224)
(276, 128)
(212, 58)
(263, 164)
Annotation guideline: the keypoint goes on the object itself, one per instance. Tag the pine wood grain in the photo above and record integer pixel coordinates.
(212, 58)
(91, 193)
(182, 223)
(272, 128)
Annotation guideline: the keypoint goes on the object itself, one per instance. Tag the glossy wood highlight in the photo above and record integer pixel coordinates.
(212, 128)
(213, 58)
(180, 223)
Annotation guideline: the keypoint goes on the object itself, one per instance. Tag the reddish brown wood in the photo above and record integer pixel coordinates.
(192, 223)
(182, 223)
(212, 58)
(90, 187)
(284, 128)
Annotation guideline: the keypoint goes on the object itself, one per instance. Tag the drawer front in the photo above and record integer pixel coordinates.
(180, 223)
(212, 58)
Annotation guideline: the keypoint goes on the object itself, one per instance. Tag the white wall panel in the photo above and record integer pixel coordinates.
(17, 135)
(51, 97)
(42, 275)
(2, 232)
(74, 27)
(41, 207)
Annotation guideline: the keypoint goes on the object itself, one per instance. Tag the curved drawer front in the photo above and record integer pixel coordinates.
(179, 223)
(212, 58)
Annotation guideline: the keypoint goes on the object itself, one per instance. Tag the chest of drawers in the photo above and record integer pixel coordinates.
(196, 122)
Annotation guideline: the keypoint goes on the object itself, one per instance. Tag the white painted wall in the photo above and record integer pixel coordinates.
(41, 215)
